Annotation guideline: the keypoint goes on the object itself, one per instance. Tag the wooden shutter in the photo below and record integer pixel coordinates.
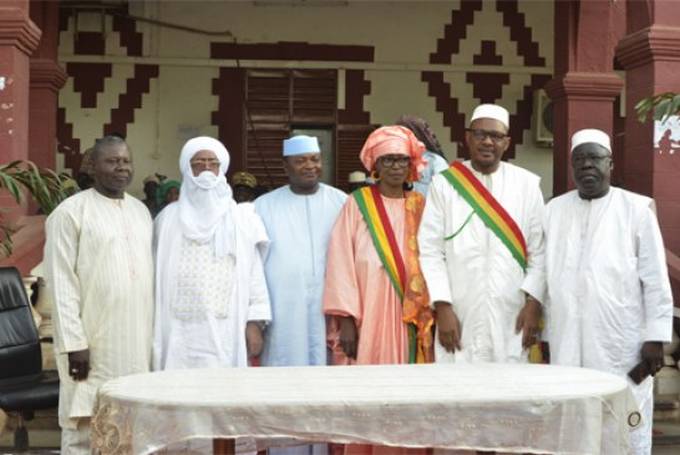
(277, 101)
(314, 97)
(267, 120)
(349, 141)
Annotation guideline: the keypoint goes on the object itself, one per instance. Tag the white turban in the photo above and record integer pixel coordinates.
(491, 111)
(205, 201)
(591, 136)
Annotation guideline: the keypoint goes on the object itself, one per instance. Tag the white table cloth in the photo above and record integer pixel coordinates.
(510, 408)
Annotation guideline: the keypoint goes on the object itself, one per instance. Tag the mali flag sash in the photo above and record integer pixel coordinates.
(488, 209)
(373, 211)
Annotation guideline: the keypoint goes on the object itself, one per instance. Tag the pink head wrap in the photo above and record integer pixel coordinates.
(393, 140)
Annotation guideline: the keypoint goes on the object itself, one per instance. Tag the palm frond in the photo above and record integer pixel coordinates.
(661, 106)
(45, 186)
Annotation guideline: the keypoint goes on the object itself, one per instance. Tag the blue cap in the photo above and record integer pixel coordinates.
(299, 145)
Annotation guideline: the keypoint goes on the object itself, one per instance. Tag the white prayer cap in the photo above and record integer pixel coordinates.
(492, 111)
(357, 177)
(299, 145)
(591, 135)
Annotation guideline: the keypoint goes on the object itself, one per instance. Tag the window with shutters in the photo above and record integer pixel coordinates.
(279, 103)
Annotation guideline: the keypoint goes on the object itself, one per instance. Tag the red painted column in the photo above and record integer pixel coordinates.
(19, 36)
(650, 53)
(46, 78)
(585, 86)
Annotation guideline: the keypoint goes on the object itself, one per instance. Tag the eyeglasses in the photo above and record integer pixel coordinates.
(480, 135)
(579, 160)
(391, 161)
(209, 163)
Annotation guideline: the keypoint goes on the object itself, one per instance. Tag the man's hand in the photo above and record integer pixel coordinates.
(254, 340)
(348, 336)
(448, 326)
(528, 321)
(652, 353)
(79, 364)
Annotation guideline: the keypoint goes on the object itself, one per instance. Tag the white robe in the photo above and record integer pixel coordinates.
(608, 287)
(475, 271)
(99, 272)
(210, 333)
(299, 227)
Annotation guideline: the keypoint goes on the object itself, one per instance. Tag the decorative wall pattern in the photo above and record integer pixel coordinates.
(487, 87)
(89, 77)
(137, 85)
(455, 55)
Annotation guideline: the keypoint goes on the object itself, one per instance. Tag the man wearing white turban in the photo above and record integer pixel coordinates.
(609, 302)
(480, 241)
(211, 297)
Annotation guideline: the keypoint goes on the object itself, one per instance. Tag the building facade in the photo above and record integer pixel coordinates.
(254, 72)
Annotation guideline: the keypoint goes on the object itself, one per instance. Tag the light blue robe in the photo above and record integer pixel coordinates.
(299, 227)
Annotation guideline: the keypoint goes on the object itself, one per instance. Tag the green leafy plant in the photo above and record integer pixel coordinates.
(660, 106)
(45, 186)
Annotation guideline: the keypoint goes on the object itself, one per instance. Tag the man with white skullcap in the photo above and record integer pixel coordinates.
(299, 218)
(480, 242)
(211, 296)
(610, 305)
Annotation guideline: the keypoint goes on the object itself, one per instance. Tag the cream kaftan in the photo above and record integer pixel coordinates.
(99, 272)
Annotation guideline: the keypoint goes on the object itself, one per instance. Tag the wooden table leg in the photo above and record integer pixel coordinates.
(224, 446)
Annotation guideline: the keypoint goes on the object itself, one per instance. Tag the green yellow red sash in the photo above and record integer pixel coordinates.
(488, 209)
(373, 211)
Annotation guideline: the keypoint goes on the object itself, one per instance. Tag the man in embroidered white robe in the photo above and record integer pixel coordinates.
(99, 273)
(610, 304)
(487, 304)
(211, 296)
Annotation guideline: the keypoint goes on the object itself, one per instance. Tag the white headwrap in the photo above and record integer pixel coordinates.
(492, 111)
(591, 135)
(205, 201)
